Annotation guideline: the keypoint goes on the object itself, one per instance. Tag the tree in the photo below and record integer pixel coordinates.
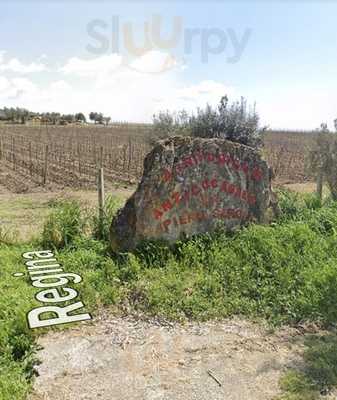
(80, 117)
(235, 122)
(99, 118)
(170, 124)
(70, 118)
(96, 117)
(93, 116)
(3, 116)
(10, 114)
(322, 160)
(21, 115)
(163, 125)
(107, 120)
(55, 118)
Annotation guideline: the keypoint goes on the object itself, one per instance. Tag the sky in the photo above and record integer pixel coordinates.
(133, 59)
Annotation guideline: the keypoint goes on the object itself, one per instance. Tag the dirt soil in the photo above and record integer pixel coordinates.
(126, 358)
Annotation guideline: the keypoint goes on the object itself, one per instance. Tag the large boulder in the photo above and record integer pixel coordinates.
(189, 186)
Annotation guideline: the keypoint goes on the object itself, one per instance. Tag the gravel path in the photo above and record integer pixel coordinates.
(126, 358)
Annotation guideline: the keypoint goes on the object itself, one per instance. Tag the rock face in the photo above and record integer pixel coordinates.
(189, 186)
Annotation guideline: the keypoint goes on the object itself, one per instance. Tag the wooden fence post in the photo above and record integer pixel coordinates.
(101, 158)
(125, 146)
(130, 155)
(79, 159)
(13, 154)
(30, 159)
(101, 200)
(45, 170)
(319, 184)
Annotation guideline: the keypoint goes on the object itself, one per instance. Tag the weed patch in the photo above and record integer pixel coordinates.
(63, 225)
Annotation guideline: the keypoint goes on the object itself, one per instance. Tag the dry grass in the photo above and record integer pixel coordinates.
(26, 213)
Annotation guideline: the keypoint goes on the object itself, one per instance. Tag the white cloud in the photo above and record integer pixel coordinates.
(60, 86)
(24, 84)
(2, 56)
(124, 95)
(193, 96)
(135, 90)
(208, 89)
(16, 89)
(126, 90)
(88, 68)
(154, 62)
(297, 107)
(4, 84)
(151, 62)
(16, 66)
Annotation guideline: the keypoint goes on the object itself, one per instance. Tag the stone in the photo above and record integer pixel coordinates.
(190, 186)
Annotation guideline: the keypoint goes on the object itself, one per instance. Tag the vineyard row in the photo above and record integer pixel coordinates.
(75, 163)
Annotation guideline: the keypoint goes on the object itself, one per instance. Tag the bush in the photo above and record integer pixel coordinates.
(289, 204)
(312, 201)
(101, 229)
(63, 225)
(322, 159)
(235, 122)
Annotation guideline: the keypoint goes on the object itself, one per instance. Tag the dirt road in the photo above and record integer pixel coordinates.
(119, 359)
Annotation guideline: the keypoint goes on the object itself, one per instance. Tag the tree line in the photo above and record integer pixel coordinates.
(21, 116)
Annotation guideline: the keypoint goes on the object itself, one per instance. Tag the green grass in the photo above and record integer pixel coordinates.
(318, 374)
(284, 273)
(16, 340)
